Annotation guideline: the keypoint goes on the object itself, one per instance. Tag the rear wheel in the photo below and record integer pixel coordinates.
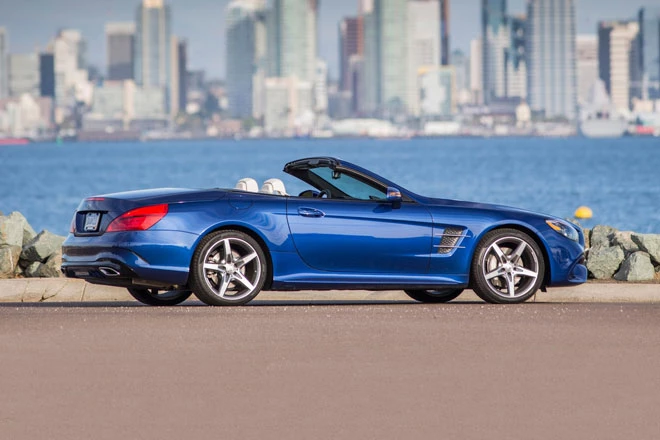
(228, 269)
(155, 297)
(434, 296)
(508, 267)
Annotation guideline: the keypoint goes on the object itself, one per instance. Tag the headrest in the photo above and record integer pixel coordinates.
(273, 186)
(247, 184)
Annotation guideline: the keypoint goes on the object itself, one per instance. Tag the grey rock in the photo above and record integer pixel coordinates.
(601, 236)
(28, 232)
(51, 268)
(637, 267)
(11, 232)
(602, 263)
(587, 238)
(41, 247)
(32, 270)
(649, 243)
(623, 239)
(9, 260)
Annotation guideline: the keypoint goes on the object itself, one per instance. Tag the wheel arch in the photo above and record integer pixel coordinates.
(527, 230)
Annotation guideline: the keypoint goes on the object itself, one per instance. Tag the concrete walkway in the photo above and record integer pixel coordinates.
(55, 290)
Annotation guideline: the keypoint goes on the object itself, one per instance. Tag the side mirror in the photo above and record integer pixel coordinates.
(394, 197)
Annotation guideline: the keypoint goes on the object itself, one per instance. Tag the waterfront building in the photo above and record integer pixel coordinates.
(552, 85)
(242, 21)
(4, 86)
(586, 51)
(444, 33)
(23, 75)
(617, 59)
(424, 46)
(292, 36)
(289, 106)
(476, 71)
(120, 50)
(153, 40)
(437, 87)
(495, 43)
(26, 116)
(649, 47)
(47, 75)
(69, 51)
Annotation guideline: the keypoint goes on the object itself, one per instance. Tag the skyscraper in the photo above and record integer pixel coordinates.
(241, 56)
(444, 33)
(495, 42)
(551, 57)
(183, 74)
(120, 49)
(424, 46)
(292, 34)
(587, 65)
(24, 75)
(649, 45)
(516, 58)
(476, 71)
(4, 87)
(351, 42)
(617, 59)
(47, 75)
(69, 50)
(153, 41)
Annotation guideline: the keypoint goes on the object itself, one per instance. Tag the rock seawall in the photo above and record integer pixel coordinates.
(611, 254)
(26, 254)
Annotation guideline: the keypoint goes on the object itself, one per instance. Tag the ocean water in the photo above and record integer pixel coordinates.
(619, 179)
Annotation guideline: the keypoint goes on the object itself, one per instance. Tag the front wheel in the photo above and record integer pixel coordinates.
(228, 269)
(507, 267)
(434, 296)
(155, 297)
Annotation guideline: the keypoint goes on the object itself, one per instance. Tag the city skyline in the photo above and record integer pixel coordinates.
(202, 24)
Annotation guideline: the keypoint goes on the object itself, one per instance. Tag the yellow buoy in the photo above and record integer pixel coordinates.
(583, 212)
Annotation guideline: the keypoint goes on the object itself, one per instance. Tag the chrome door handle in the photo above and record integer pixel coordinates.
(310, 212)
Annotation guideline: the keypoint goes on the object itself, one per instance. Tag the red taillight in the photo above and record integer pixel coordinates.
(139, 219)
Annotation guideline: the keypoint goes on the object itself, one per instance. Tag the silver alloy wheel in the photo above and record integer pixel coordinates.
(510, 267)
(232, 269)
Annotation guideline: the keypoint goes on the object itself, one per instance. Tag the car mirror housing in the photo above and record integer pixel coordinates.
(394, 197)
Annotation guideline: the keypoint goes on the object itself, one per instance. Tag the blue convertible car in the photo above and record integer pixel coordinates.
(351, 230)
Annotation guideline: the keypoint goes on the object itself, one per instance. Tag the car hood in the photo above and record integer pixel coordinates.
(500, 209)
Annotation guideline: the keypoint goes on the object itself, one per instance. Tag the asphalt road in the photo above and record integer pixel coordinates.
(330, 371)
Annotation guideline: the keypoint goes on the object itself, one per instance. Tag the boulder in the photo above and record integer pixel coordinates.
(637, 267)
(649, 243)
(32, 270)
(587, 238)
(9, 260)
(601, 236)
(28, 232)
(11, 232)
(41, 247)
(623, 239)
(51, 268)
(603, 262)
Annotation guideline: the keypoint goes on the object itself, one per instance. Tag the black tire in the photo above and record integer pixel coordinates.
(235, 272)
(507, 267)
(154, 297)
(434, 296)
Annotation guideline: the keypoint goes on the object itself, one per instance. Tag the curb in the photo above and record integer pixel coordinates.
(59, 290)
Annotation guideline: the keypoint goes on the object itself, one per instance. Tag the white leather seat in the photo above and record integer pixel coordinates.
(273, 186)
(247, 184)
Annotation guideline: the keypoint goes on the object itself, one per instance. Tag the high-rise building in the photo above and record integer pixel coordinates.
(175, 79)
(586, 51)
(437, 87)
(153, 47)
(617, 59)
(24, 75)
(292, 35)
(242, 20)
(424, 46)
(444, 33)
(4, 87)
(461, 64)
(495, 43)
(386, 55)
(69, 51)
(289, 104)
(649, 48)
(351, 43)
(120, 49)
(516, 58)
(183, 74)
(47, 75)
(476, 71)
(551, 71)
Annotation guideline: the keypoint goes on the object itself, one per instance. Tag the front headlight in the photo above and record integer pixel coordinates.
(564, 229)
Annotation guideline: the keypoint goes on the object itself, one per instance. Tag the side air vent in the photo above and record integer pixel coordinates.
(450, 237)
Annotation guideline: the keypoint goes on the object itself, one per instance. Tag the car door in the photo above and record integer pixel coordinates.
(361, 236)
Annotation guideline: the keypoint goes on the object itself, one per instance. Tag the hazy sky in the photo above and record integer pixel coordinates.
(32, 24)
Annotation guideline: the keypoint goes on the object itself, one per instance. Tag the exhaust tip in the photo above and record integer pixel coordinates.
(109, 271)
